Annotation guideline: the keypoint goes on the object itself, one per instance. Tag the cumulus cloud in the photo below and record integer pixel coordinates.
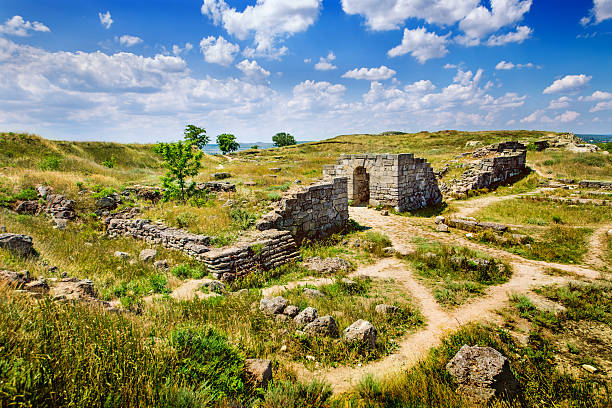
(370, 74)
(521, 34)
(507, 65)
(597, 96)
(311, 95)
(421, 44)
(601, 11)
(218, 50)
(129, 40)
(481, 21)
(251, 69)
(177, 50)
(105, 19)
(559, 103)
(422, 86)
(269, 21)
(17, 26)
(325, 63)
(601, 106)
(567, 116)
(568, 84)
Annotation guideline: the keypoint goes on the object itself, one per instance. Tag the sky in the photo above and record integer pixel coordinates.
(139, 71)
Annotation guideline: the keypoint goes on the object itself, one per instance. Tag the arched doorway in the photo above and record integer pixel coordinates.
(361, 186)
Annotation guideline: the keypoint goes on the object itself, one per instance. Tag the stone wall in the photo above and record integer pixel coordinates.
(264, 251)
(595, 184)
(156, 233)
(397, 180)
(313, 211)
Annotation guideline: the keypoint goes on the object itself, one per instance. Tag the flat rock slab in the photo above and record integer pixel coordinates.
(17, 243)
(259, 371)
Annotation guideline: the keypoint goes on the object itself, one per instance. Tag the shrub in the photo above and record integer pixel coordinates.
(110, 163)
(184, 271)
(549, 162)
(376, 242)
(185, 219)
(285, 394)
(158, 283)
(275, 196)
(26, 194)
(242, 218)
(50, 163)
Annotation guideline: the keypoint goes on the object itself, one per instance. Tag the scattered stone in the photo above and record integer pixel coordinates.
(313, 293)
(472, 143)
(306, 316)
(27, 207)
(20, 244)
(384, 213)
(291, 311)
(73, 289)
(327, 265)
(439, 219)
(221, 175)
(61, 223)
(349, 284)
(161, 264)
(38, 286)
(475, 226)
(215, 186)
(108, 203)
(442, 228)
(59, 208)
(259, 371)
(389, 251)
(482, 373)
(44, 191)
(250, 183)
(272, 306)
(152, 194)
(361, 331)
(297, 181)
(121, 255)
(216, 286)
(387, 309)
(589, 368)
(595, 184)
(275, 169)
(15, 280)
(148, 255)
(322, 326)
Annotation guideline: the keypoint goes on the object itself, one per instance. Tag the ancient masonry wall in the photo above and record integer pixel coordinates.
(595, 184)
(398, 180)
(495, 170)
(313, 211)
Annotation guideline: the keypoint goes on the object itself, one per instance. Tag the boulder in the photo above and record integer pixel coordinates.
(291, 311)
(121, 255)
(44, 191)
(313, 293)
(148, 255)
(387, 309)
(259, 371)
(322, 326)
(161, 264)
(442, 227)
(27, 207)
(482, 373)
(327, 265)
(20, 244)
(73, 289)
(272, 306)
(15, 280)
(108, 203)
(439, 219)
(306, 316)
(38, 286)
(361, 331)
(389, 251)
(221, 175)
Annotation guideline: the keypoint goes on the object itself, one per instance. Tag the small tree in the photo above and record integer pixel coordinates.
(283, 139)
(182, 162)
(227, 143)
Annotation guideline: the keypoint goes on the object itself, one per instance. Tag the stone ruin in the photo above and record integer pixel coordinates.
(401, 181)
(499, 163)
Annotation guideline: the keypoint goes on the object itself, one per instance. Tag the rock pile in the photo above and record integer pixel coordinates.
(215, 186)
(595, 184)
(472, 225)
(153, 194)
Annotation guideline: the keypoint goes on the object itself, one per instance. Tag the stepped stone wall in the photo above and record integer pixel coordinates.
(264, 251)
(604, 185)
(156, 233)
(398, 180)
(313, 211)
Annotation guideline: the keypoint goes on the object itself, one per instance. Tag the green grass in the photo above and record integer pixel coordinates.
(567, 165)
(456, 274)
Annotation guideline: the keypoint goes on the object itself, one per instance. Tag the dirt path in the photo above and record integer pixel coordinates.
(597, 247)
(468, 207)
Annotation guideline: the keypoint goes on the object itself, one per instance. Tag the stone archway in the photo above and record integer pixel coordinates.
(361, 186)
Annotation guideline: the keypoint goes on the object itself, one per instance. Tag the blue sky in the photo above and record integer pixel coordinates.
(139, 71)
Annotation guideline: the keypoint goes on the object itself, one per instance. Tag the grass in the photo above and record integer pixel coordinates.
(456, 274)
(567, 165)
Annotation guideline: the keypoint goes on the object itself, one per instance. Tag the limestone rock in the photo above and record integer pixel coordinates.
(20, 244)
(482, 373)
(306, 316)
(291, 311)
(108, 203)
(327, 265)
(27, 207)
(389, 251)
(161, 264)
(148, 255)
(313, 293)
(386, 309)
(221, 175)
(361, 331)
(439, 219)
(121, 255)
(37, 286)
(322, 326)
(73, 289)
(44, 191)
(259, 371)
(15, 280)
(272, 306)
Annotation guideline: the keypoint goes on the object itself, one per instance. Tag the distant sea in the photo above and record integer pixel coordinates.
(214, 148)
(595, 138)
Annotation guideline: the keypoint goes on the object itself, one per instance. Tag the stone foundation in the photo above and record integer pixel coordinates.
(397, 180)
(604, 185)
(313, 211)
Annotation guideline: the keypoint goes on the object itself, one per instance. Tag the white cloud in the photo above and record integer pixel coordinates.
(307, 60)
(518, 36)
(105, 19)
(601, 106)
(251, 69)
(370, 74)
(568, 84)
(218, 50)
(597, 96)
(567, 116)
(129, 40)
(269, 21)
(422, 86)
(559, 103)
(21, 28)
(177, 50)
(325, 63)
(310, 95)
(390, 14)
(450, 66)
(481, 21)
(421, 44)
(601, 11)
(532, 117)
(507, 65)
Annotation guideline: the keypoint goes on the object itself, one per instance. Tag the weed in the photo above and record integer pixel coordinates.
(185, 271)
(50, 162)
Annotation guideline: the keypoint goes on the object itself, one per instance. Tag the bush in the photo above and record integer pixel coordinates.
(50, 163)
(376, 242)
(110, 163)
(184, 271)
(275, 196)
(291, 394)
(185, 219)
(242, 218)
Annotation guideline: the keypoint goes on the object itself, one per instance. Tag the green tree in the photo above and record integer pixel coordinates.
(283, 139)
(182, 162)
(227, 143)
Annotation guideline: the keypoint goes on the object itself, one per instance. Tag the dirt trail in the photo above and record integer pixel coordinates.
(468, 207)
(597, 247)
(527, 274)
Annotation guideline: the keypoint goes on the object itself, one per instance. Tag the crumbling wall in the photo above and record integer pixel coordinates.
(417, 185)
(313, 211)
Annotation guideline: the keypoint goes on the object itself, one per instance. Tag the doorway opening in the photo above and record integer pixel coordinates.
(361, 186)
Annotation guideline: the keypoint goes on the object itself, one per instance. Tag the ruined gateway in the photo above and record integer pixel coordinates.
(401, 181)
